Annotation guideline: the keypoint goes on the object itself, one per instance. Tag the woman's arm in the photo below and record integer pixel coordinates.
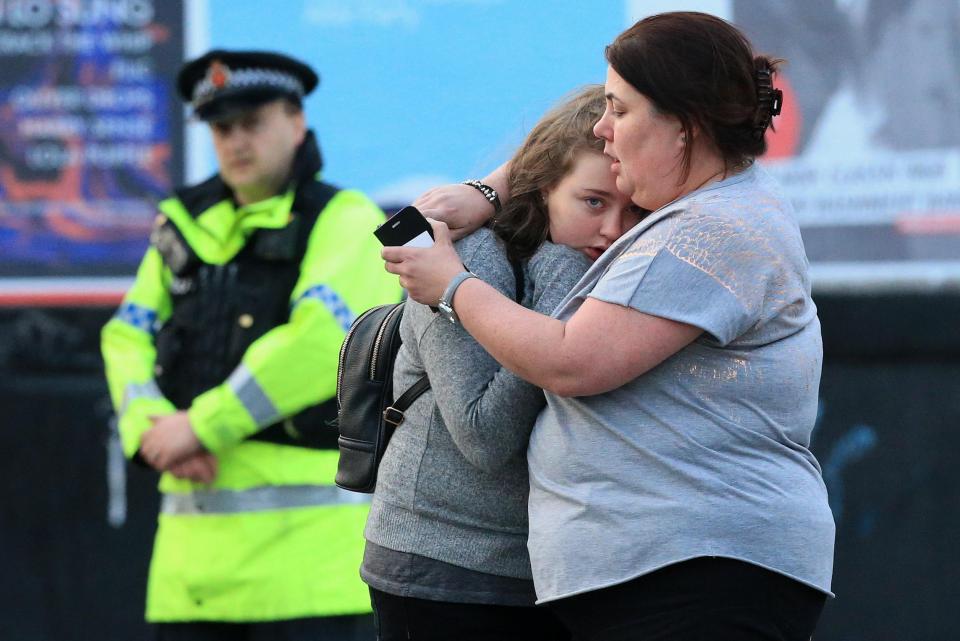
(600, 348)
(463, 207)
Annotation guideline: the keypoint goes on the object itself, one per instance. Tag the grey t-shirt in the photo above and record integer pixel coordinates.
(708, 453)
(453, 484)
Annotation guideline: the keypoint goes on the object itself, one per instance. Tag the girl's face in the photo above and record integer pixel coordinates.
(585, 209)
(646, 146)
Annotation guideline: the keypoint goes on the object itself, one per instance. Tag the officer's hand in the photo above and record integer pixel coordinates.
(200, 468)
(170, 441)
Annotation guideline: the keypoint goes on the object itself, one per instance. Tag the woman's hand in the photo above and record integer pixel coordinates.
(461, 207)
(425, 273)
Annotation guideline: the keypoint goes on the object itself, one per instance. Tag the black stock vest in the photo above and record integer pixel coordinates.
(220, 310)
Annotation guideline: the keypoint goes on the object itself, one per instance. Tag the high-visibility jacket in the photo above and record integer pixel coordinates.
(271, 538)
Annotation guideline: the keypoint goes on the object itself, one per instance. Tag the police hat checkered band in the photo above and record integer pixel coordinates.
(251, 78)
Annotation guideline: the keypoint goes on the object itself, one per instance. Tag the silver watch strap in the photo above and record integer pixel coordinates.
(451, 289)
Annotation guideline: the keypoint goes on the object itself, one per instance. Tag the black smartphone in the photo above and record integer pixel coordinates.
(407, 228)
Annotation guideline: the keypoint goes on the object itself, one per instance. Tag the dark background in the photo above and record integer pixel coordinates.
(887, 441)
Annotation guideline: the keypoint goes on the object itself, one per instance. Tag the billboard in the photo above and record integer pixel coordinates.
(91, 134)
(869, 146)
(420, 92)
(416, 93)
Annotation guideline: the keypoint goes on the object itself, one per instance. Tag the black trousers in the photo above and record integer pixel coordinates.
(344, 628)
(705, 599)
(407, 618)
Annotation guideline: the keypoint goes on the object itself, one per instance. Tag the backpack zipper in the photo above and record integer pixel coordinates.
(343, 349)
(376, 343)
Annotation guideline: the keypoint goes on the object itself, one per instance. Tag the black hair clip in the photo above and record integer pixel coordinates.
(769, 102)
(777, 103)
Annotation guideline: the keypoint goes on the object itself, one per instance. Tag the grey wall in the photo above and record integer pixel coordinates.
(77, 525)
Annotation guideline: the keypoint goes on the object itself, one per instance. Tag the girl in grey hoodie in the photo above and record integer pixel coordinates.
(446, 554)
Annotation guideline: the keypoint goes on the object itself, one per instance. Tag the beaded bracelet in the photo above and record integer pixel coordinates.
(488, 192)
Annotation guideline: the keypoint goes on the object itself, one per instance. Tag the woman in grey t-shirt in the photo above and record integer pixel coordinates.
(446, 554)
(673, 494)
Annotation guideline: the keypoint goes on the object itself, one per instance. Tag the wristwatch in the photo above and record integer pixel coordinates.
(445, 306)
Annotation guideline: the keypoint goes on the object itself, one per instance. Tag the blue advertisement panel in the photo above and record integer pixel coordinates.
(90, 132)
(415, 93)
(421, 92)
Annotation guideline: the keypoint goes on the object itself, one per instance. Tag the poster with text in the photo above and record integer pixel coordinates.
(868, 146)
(91, 133)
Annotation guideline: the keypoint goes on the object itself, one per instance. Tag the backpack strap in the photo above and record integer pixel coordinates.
(393, 415)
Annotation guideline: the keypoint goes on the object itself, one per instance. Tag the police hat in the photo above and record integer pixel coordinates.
(222, 83)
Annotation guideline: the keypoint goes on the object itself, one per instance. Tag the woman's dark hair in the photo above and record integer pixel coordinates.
(546, 156)
(702, 70)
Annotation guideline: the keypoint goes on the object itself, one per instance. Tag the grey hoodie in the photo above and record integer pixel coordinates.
(453, 484)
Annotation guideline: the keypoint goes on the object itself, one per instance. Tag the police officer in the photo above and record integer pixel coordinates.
(222, 362)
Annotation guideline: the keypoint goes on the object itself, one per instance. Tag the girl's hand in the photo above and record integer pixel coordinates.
(461, 207)
(425, 273)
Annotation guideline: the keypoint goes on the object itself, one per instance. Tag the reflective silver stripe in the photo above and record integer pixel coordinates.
(258, 499)
(133, 391)
(252, 396)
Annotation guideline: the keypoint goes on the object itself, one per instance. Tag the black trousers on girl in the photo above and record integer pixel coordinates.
(406, 618)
